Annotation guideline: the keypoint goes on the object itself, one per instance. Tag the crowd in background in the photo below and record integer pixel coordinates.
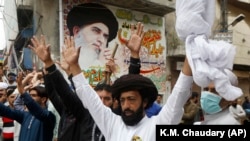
(43, 105)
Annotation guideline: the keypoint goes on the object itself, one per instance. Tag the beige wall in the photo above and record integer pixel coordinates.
(241, 36)
(47, 23)
(241, 40)
(243, 81)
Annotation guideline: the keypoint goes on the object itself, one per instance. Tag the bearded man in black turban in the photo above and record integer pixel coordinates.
(138, 93)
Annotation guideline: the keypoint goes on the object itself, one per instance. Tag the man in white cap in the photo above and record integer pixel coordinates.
(3, 93)
(3, 99)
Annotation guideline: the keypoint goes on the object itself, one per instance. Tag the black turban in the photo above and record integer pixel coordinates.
(129, 82)
(89, 13)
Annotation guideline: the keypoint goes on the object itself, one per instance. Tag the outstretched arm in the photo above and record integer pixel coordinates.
(186, 68)
(57, 85)
(33, 106)
(134, 45)
(71, 55)
(172, 111)
(42, 50)
(18, 103)
(88, 96)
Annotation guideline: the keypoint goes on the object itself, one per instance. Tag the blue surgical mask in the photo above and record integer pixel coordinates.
(210, 102)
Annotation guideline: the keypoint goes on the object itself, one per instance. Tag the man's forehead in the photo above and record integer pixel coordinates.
(12, 95)
(33, 93)
(104, 93)
(211, 85)
(130, 94)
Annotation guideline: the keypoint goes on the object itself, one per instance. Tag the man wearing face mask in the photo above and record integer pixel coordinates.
(93, 27)
(211, 61)
(215, 107)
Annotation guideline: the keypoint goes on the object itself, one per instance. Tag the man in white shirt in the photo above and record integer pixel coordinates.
(135, 93)
(215, 107)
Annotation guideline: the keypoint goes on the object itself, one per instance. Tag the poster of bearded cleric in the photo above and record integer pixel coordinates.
(97, 28)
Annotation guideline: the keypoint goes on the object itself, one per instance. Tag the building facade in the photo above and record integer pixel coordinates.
(43, 17)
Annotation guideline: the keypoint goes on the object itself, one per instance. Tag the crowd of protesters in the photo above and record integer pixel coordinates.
(43, 105)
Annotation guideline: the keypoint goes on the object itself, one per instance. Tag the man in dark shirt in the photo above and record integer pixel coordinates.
(37, 124)
(76, 123)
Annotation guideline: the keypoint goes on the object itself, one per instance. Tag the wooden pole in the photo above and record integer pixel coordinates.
(108, 74)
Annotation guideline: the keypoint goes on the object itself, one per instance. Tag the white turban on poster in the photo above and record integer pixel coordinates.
(209, 60)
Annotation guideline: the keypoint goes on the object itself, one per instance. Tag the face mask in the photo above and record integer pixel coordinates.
(210, 102)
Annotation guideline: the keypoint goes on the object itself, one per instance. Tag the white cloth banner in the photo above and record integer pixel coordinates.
(210, 60)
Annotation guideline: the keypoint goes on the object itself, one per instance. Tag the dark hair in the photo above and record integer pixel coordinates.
(41, 92)
(142, 84)
(102, 86)
(194, 94)
(161, 95)
(89, 13)
(11, 74)
(246, 98)
(10, 90)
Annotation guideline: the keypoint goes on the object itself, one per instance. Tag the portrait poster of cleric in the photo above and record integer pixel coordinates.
(97, 28)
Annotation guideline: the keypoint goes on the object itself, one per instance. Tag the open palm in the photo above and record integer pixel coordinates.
(70, 53)
(40, 48)
(134, 43)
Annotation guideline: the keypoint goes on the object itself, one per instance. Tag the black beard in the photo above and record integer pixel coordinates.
(134, 118)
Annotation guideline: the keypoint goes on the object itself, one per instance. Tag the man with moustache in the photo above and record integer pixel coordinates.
(93, 27)
(3, 92)
(11, 128)
(37, 123)
(135, 93)
(215, 107)
(76, 122)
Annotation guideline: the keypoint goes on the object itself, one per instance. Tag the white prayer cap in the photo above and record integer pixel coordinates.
(3, 85)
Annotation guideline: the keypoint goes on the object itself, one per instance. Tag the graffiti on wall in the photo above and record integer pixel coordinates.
(153, 51)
